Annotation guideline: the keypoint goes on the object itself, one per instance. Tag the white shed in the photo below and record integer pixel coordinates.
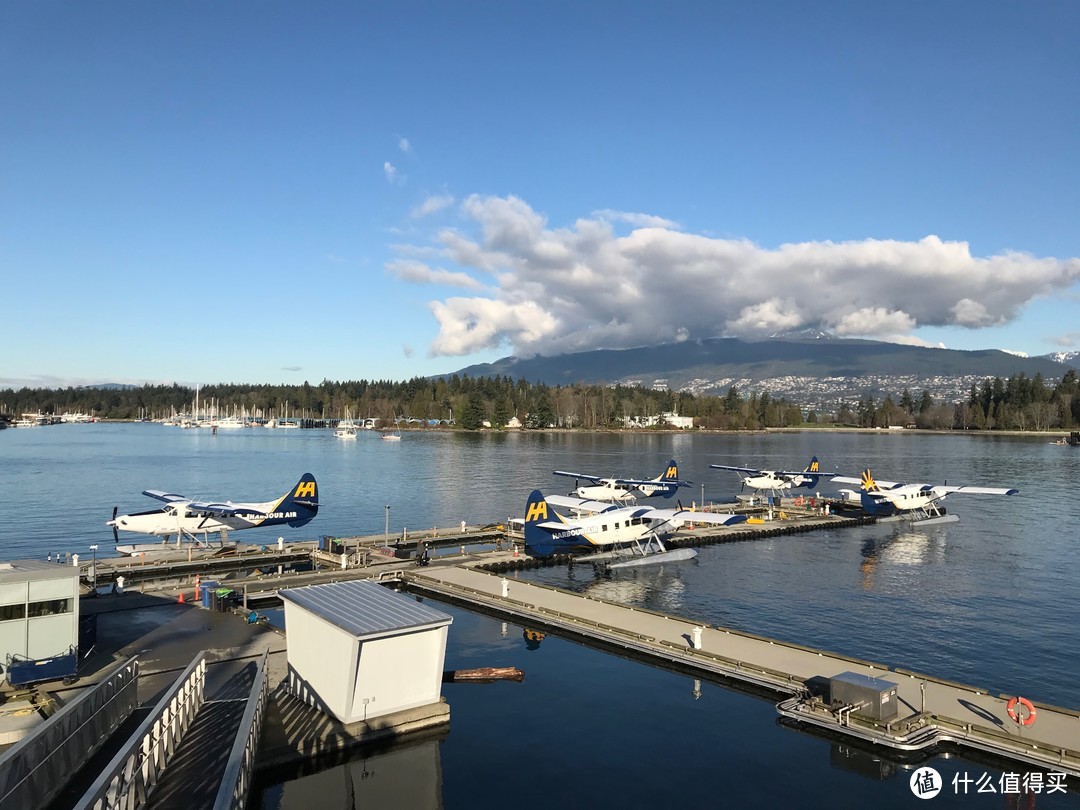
(39, 614)
(358, 650)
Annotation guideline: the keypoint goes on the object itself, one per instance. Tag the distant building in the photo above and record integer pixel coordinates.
(670, 419)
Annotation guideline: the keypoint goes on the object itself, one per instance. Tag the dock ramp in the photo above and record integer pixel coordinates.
(191, 750)
(36, 770)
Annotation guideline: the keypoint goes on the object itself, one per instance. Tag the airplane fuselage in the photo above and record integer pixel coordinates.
(606, 529)
(613, 492)
(609, 492)
(900, 499)
(174, 519)
(766, 481)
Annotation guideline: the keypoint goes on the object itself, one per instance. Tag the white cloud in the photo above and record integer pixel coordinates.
(433, 204)
(874, 321)
(420, 273)
(1066, 341)
(391, 172)
(910, 340)
(467, 322)
(637, 220)
(584, 286)
(404, 145)
(407, 350)
(972, 313)
(773, 315)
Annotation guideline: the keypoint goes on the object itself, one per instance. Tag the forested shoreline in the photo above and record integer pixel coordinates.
(1018, 403)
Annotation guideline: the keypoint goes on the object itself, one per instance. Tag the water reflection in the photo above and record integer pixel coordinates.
(405, 775)
(659, 587)
(532, 638)
(904, 547)
(864, 763)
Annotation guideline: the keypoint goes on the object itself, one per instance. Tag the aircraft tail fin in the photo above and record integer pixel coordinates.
(538, 541)
(868, 482)
(302, 499)
(809, 480)
(670, 476)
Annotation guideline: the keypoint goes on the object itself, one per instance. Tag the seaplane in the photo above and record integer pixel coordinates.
(196, 520)
(619, 536)
(626, 490)
(776, 481)
(919, 503)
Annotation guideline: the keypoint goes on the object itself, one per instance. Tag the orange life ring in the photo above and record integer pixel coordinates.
(1010, 707)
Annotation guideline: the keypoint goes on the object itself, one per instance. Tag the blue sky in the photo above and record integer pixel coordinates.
(284, 191)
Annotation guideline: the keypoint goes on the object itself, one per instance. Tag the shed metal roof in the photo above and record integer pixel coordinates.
(33, 570)
(364, 608)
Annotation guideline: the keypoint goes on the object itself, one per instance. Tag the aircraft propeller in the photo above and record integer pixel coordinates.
(115, 533)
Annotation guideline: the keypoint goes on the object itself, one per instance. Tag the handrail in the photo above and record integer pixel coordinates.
(126, 782)
(236, 781)
(36, 769)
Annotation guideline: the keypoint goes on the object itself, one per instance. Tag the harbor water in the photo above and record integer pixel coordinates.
(988, 601)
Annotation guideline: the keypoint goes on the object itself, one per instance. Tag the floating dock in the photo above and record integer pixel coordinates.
(236, 682)
(932, 711)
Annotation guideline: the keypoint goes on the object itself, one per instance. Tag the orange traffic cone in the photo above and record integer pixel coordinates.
(197, 588)
(180, 599)
(515, 549)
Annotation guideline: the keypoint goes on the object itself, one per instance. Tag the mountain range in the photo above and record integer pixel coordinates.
(812, 369)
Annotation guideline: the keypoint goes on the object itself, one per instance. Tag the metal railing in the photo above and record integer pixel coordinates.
(127, 780)
(37, 768)
(236, 782)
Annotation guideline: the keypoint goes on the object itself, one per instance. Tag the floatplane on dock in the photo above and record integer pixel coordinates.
(918, 503)
(776, 481)
(626, 489)
(620, 536)
(196, 520)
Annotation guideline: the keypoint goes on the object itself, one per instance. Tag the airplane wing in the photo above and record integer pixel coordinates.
(222, 509)
(580, 504)
(749, 470)
(639, 482)
(805, 473)
(688, 516)
(846, 479)
(594, 478)
(976, 490)
(168, 497)
(940, 489)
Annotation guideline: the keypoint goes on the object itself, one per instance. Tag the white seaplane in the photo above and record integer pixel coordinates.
(919, 503)
(776, 481)
(197, 520)
(626, 490)
(622, 535)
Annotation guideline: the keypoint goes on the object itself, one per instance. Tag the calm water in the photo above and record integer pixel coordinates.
(989, 600)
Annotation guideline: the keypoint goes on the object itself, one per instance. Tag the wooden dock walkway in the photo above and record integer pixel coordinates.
(933, 711)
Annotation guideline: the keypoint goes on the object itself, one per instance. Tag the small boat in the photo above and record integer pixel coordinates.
(345, 431)
(391, 437)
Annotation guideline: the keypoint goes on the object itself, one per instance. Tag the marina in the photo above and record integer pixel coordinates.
(928, 712)
(615, 612)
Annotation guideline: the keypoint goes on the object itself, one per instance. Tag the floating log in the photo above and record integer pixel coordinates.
(484, 675)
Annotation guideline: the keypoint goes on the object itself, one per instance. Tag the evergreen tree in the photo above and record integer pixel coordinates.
(472, 417)
(542, 415)
(501, 414)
